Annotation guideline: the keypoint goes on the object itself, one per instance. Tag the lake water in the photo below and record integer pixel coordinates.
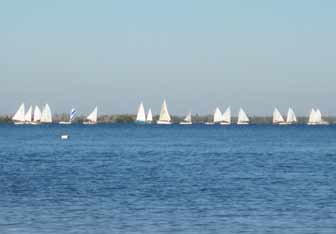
(167, 179)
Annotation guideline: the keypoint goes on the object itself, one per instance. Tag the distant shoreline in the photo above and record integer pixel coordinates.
(124, 118)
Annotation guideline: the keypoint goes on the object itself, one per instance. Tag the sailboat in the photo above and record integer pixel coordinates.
(164, 114)
(226, 120)
(277, 117)
(217, 117)
(149, 116)
(72, 116)
(46, 116)
(37, 116)
(29, 115)
(141, 116)
(291, 117)
(92, 117)
(187, 120)
(315, 118)
(19, 117)
(243, 119)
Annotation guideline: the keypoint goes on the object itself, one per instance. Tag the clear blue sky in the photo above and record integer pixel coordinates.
(196, 54)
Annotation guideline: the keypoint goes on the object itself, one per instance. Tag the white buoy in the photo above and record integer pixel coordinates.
(65, 137)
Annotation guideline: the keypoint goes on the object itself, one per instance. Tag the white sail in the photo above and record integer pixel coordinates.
(149, 116)
(227, 116)
(20, 114)
(29, 114)
(277, 117)
(37, 114)
(218, 116)
(291, 117)
(164, 114)
(141, 116)
(242, 117)
(73, 113)
(46, 116)
(318, 116)
(312, 118)
(188, 117)
(93, 116)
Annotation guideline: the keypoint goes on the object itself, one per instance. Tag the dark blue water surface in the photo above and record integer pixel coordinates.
(167, 179)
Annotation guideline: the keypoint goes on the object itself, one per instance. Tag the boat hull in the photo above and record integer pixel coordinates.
(19, 123)
(321, 123)
(64, 123)
(243, 123)
(186, 123)
(163, 123)
(225, 123)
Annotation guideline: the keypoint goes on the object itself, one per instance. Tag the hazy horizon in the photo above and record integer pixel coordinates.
(197, 55)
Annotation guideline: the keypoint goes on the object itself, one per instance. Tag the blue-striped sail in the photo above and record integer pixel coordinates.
(73, 113)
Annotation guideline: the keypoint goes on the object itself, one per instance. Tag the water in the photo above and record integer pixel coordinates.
(167, 179)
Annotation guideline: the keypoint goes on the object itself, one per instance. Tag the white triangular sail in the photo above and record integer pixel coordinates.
(312, 117)
(188, 118)
(227, 116)
(164, 114)
(242, 117)
(291, 117)
(37, 114)
(20, 114)
(141, 116)
(149, 116)
(29, 115)
(277, 117)
(46, 116)
(218, 116)
(93, 116)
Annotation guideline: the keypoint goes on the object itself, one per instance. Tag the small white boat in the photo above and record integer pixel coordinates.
(72, 116)
(187, 120)
(19, 117)
(226, 119)
(243, 119)
(46, 116)
(65, 137)
(92, 117)
(141, 115)
(149, 118)
(164, 118)
(291, 117)
(277, 117)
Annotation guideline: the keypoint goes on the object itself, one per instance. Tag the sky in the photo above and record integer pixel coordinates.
(196, 54)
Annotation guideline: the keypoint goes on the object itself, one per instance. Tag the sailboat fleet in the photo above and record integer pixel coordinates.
(35, 116)
(22, 117)
(45, 117)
